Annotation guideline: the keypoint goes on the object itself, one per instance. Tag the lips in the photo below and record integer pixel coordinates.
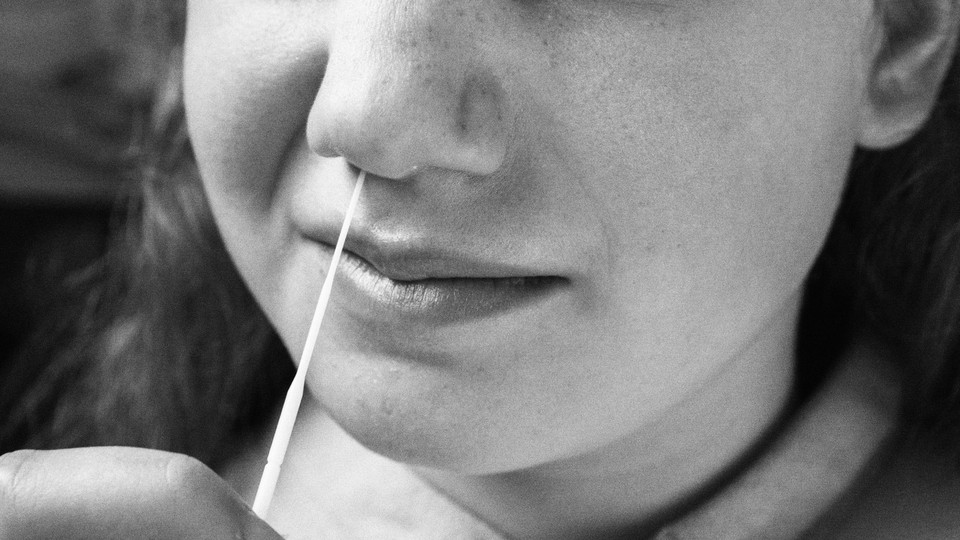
(387, 276)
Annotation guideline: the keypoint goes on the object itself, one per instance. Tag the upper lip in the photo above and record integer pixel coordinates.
(412, 257)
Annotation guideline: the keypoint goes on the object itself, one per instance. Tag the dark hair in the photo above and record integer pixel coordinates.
(891, 267)
(161, 345)
(158, 344)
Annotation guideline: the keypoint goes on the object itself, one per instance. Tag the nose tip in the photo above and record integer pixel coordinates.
(405, 110)
(391, 132)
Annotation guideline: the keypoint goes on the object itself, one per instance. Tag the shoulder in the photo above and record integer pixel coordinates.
(912, 492)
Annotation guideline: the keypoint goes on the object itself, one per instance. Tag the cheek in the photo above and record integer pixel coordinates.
(250, 77)
(718, 168)
(727, 148)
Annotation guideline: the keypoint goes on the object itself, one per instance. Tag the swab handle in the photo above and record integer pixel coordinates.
(278, 448)
(291, 404)
(268, 481)
(288, 415)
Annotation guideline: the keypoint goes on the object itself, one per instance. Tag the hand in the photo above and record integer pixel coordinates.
(119, 493)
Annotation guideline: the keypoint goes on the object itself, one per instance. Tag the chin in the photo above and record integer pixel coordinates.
(426, 421)
(421, 441)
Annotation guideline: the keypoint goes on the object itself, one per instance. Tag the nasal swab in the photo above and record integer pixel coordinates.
(291, 404)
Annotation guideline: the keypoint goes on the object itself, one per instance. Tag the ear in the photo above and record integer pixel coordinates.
(910, 51)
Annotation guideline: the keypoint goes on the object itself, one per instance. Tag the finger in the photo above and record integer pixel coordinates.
(113, 493)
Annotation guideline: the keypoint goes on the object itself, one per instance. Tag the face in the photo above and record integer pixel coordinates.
(576, 213)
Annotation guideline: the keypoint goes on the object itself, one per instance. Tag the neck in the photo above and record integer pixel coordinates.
(634, 483)
(628, 487)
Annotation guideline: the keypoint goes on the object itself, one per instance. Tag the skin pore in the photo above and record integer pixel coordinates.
(670, 168)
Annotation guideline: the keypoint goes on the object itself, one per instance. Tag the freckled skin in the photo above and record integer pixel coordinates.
(678, 162)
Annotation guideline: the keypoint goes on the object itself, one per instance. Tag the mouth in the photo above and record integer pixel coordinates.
(436, 288)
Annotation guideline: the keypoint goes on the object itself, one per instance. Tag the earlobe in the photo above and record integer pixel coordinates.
(913, 44)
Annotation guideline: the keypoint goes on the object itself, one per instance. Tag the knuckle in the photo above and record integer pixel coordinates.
(14, 483)
(185, 474)
(252, 528)
(205, 500)
(13, 475)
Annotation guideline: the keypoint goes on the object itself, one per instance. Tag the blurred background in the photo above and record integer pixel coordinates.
(71, 83)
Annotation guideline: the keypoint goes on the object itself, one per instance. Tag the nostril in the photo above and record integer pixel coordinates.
(319, 144)
(355, 169)
(371, 155)
(435, 109)
(480, 125)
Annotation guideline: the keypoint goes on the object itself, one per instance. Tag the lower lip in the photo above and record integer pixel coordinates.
(437, 301)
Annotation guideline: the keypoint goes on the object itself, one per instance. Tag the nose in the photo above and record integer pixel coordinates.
(410, 85)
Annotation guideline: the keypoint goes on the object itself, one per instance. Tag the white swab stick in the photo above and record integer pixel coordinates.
(291, 404)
